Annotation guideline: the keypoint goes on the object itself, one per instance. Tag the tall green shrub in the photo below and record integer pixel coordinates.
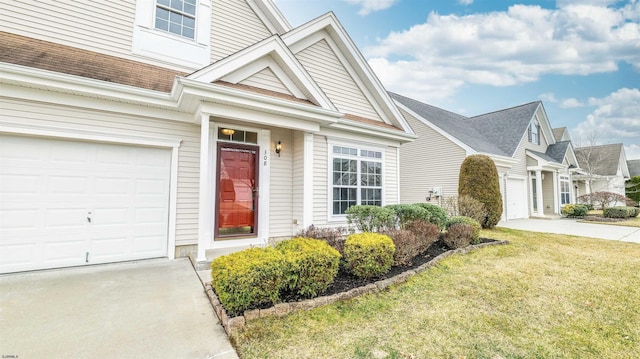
(479, 179)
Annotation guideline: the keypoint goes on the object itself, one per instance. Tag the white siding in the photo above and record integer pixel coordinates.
(320, 180)
(267, 80)
(431, 161)
(102, 26)
(390, 173)
(547, 193)
(281, 196)
(327, 70)
(234, 26)
(298, 179)
(29, 113)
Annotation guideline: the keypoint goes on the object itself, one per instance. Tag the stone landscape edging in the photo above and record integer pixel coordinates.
(232, 325)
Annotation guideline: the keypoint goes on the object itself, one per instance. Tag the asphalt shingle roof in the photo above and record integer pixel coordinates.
(605, 158)
(634, 167)
(497, 132)
(558, 150)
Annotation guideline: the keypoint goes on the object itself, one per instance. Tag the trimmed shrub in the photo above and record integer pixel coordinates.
(311, 265)
(459, 235)
(475, 238)
(407, 246)
(436, 214)
(621, 212)
(426, 233)
(479, 179)
(574, 210)
(334, 236)
(370, 218)
(248, 278)
(472, 208)
(406, 213)
(368, 255)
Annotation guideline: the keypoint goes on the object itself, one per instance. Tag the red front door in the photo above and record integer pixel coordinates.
(237, 191)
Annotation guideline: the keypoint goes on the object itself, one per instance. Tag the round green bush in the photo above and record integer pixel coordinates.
(370, 218)
(248, 278)
(407, 213)
(368, 255)
(469, 221)
(435, 214)
(312, 265)
(479, 179)
(574, 210)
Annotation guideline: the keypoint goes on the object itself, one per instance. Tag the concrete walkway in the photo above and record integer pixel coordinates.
(144, 309)
(573, 227)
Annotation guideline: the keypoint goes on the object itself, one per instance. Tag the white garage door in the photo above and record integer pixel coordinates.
(516, 198)
(68, 203)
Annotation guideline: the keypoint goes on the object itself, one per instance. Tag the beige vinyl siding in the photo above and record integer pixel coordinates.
(37, 114)
(298, 180)
(281, 182)
(267, 80)
(520, 168)
(103, 26)
(390, 176)
(431, 161)
(327, 70)
(320, 180)
(547, 193)
(234, 26)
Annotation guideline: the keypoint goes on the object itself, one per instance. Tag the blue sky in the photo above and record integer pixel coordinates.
(580, 57)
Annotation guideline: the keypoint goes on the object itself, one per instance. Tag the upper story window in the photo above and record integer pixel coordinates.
(356, 178)
(177, 17)
(534, 133)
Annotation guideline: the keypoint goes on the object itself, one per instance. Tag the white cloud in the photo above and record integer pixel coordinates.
(571, 103)
(548, 97)
(615, 120)
(509, 48)
(369, 6)
(465, 2)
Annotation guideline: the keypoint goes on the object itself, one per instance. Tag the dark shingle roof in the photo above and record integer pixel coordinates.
(506, 127)
(558, 150)
(605, 158)
(634, 167)
(544, 156)
(496, 133)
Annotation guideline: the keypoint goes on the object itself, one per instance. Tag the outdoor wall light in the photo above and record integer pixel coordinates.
(278, 148)
(228, 131)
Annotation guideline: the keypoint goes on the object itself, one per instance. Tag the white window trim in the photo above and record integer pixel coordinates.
(330, 155)
(565, 179)
(167, 47)
(181, 13)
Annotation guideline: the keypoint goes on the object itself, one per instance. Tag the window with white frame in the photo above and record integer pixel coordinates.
(565, 191)
(534, 133)
(177, 17)
(356, 178)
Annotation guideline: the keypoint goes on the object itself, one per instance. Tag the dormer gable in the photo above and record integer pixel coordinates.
(330, 56)
(268, 65)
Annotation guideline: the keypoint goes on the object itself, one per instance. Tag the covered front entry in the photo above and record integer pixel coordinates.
(237, 190)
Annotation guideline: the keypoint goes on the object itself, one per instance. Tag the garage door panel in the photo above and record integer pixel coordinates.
(516, 199)
(49, 192)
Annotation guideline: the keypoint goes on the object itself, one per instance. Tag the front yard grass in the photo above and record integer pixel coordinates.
(631, 222)
(542, 296)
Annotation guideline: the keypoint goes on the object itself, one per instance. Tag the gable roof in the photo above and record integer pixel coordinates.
(607, 158)
(558, 150)
(506, 127)
(498, 132)
(634, 168)
(561, 134)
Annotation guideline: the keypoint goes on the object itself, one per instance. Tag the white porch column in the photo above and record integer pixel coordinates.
(204, 230)
(307, 194)
(539, 195)
(556, 193)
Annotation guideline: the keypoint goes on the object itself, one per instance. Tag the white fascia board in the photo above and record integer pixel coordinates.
(372, 130)
(328, 27)
(501, 160)
(547, 130)
(544, 162)
(275, 48)
(270, 15)
(447, 135)
(358, 138)
(258, 102)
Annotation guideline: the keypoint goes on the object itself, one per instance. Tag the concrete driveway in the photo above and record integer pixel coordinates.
(144, 309)
(573, 227)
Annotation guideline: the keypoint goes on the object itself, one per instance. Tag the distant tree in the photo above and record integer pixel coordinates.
(591, 160)
(479, 179)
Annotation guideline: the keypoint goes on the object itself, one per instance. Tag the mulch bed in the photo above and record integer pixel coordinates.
(345, 281)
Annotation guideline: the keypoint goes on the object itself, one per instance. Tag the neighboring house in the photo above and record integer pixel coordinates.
(634, 168)
(535, 169)
(603, 168)
(140, 129)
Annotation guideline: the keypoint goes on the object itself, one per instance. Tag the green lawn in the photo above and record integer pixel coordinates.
(543, 296)
(632, 222)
